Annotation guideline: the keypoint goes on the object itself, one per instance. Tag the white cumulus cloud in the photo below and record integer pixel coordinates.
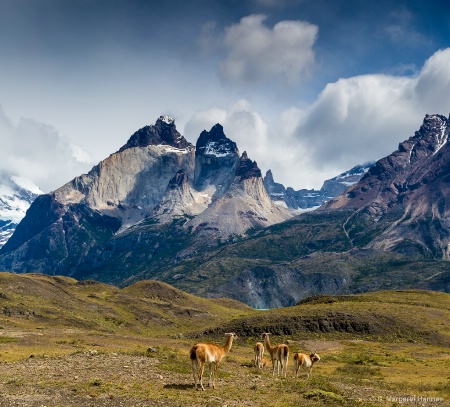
(363, 118)
(256, 52)
(352, 121)
(37, 152)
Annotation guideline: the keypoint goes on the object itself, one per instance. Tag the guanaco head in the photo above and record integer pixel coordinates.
(232, 334)
(265, 335)
(314, 356)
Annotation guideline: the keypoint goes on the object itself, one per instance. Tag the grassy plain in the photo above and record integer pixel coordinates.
(65, 343)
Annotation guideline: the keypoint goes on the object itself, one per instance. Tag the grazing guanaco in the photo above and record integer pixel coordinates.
(263, 364)
(259, 353)
(279, 355)
(211, 354)
(306, 361)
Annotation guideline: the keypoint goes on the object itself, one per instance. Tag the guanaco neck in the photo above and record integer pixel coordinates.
(268, 346)
(228, 344)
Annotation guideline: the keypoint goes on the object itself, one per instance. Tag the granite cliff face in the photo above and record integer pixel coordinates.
(402, 203)
(244, 206)
(157, 176)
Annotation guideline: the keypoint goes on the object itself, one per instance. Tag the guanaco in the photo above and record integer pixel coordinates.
(306, 361)
(279, 355)
(211, 354)
(259, 353)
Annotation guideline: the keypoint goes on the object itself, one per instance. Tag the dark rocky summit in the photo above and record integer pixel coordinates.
(162, 132)
(216, 157)
(247, 168)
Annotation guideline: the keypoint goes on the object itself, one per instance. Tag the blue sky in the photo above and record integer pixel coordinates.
(309, 88)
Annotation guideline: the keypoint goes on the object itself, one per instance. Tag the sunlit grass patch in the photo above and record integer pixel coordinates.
(172, 361)
(318, 394)
(359, 372)
(7, 339)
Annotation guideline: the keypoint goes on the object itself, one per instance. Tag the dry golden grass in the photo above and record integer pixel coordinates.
(88, 344)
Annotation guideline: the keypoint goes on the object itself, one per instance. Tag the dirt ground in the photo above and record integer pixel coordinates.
(87, 379)
(93, 378)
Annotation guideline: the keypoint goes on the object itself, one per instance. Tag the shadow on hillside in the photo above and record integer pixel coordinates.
(179, 386)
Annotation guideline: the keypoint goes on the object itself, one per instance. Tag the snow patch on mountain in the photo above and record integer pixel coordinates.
(16, 196)
(217, 149)
(167, 119)
(441, 136)
(26, 184)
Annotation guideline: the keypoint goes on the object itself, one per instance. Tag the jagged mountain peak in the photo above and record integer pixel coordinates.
(269, 176)
(247, 168)
(163, 132)
(430, 138)
(310, 199)
(216, 157)
(166, 119)
(414, 153)
(402, 191)
(215, 143)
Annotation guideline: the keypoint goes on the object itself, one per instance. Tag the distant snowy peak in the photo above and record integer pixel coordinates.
(16, 196)
(307, 199)
(351, 177)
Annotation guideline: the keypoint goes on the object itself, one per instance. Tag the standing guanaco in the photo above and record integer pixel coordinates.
(211, 354)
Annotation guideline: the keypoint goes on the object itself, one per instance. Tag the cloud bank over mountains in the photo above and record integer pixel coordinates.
(38, 152)
(308, 88)
(353, 120)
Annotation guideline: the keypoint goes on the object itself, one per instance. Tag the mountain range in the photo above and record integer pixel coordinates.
(307, 199)
(202, 219)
